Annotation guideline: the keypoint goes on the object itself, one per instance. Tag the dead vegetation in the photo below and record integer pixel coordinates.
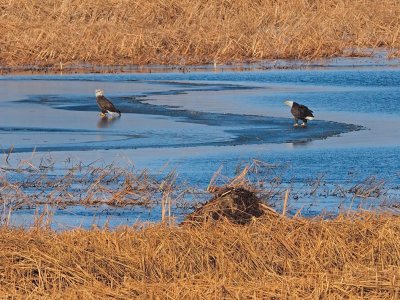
(238, 205)
(28, 185)
(352, 256)
(62, 33)
(239, 247)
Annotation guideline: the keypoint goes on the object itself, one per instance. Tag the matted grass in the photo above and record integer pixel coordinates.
(60, 33)
(351, 256)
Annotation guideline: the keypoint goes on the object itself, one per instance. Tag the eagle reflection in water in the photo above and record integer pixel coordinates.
(105, 122)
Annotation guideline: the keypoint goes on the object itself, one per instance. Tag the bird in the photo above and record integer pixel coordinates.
(300, 112)
(105, 105)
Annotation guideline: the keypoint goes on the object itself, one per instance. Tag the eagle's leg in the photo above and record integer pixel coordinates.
(304, 124)
(102, 114)
(296, 122)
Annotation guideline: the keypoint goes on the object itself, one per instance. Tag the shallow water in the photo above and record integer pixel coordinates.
(198, 121)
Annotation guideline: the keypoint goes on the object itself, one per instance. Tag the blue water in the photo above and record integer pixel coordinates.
(198, 121)
(353, 90)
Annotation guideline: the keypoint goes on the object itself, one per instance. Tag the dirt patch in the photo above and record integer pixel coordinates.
(238, 205)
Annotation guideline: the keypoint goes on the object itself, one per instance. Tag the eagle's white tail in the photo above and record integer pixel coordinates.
(309, 118)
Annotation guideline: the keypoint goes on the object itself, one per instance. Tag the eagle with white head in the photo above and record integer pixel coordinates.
(106, 105)
(300, 112)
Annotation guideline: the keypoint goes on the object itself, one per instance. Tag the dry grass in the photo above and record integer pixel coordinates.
(348, 257)
(354, 255)
(29, 185)
(60, 33)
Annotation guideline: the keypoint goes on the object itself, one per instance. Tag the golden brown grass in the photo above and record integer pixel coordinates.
(345, 258)
(64, 32)
(354, 255)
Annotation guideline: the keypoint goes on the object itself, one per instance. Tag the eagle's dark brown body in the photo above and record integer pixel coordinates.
(300, 112)
(105, 105)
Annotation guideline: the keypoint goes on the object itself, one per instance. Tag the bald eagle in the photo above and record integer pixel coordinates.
(105, 105)
(300, 112)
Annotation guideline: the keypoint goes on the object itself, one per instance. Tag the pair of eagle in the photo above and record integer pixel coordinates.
(299, 112)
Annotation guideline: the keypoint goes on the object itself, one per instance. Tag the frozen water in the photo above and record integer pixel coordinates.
(198, 121)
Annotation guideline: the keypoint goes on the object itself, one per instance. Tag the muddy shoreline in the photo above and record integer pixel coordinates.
(377, 58)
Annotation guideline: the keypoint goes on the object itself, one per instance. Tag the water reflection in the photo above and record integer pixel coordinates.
(298, 144)
(105, 122)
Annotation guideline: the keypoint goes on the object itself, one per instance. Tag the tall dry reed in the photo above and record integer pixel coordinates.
(344, 258)
(64, 32)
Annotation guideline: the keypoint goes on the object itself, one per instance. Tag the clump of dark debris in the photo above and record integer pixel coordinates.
(235, 204)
